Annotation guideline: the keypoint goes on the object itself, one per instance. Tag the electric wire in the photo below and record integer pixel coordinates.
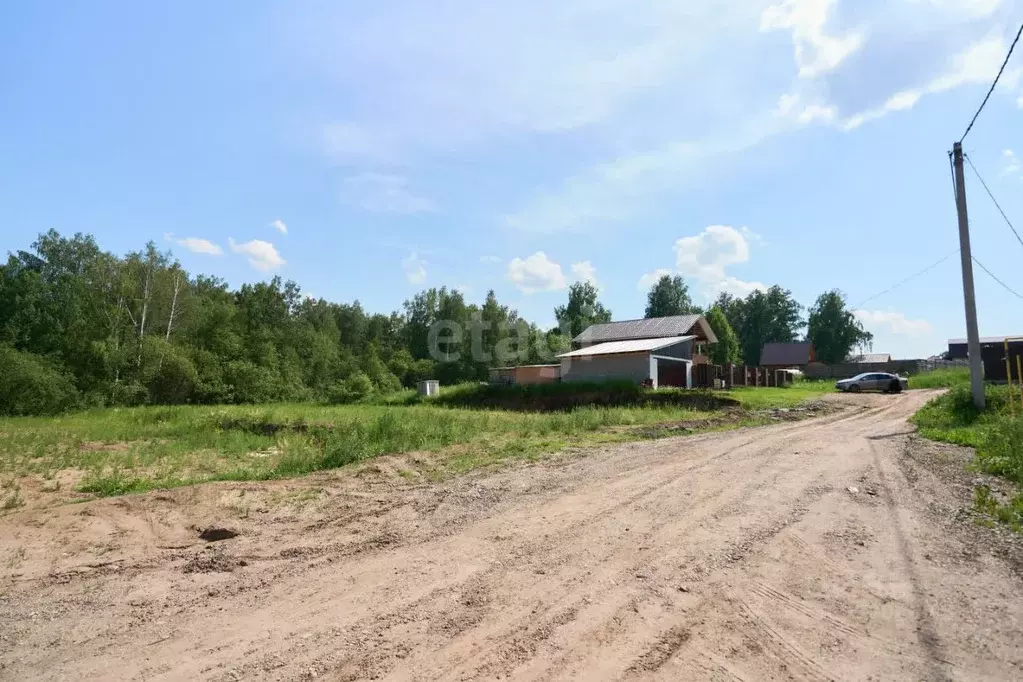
(992, 276)
(997, 205)
(988, 96)
(907, 280)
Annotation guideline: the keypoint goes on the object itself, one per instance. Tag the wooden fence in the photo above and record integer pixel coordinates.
(818, 370)
(728, 376)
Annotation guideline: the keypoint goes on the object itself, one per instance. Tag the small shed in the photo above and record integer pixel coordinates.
(657, 361)
(992, 355)
(787, 355)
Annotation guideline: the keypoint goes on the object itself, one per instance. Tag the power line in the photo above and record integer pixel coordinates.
(997, 205)
(1007, 288)
(908, 279)
(988, 96)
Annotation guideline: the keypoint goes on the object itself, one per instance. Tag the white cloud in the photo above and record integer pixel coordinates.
(977, 64)
(414, 268)
(651, 278)
(734, 286)
(817, 112)
(279, 226)
(817, 52)
(261, 255)
(196, 244)
(706, 255)
(584, 271)
(1011, 162)
(1019, 102)
(383, 193)
(536, 273)
(703, 259)
(895, 322)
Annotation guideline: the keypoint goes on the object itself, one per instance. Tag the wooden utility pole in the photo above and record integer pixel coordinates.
(972, 335)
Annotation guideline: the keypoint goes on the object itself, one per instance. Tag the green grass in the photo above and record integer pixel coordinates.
(127, 450)
(786, 396)
(941, 378)
(996, 434)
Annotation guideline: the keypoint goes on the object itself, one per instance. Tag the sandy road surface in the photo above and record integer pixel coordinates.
(740, 555)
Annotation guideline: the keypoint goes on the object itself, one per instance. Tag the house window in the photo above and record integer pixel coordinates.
(701, 348)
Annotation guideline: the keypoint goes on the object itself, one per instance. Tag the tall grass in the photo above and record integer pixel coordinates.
(128, 450)
(941, 378)
(125, 450)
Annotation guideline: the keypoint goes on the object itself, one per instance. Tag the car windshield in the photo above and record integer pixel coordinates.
(860, 377)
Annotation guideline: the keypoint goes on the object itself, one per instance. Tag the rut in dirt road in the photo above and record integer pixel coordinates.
(740, 555)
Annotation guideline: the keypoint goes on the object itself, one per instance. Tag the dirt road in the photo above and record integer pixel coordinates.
(740, 555)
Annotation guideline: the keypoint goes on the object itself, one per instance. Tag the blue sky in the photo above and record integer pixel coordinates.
(370, 150)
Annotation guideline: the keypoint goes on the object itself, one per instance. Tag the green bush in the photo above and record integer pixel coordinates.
(251, 383)
(174, 381)
(31, 385)
(356, 387)
(128, 394)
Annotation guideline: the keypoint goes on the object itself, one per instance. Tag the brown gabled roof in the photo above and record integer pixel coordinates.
(786, 354)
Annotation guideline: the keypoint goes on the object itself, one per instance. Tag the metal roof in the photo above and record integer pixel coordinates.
(652, 328)
(986, 339)
(786, 354)
(631, 346)
(871, 357)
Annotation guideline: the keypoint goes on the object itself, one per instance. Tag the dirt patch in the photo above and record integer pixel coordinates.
(734, 555)
(212, 560)
(952, 465)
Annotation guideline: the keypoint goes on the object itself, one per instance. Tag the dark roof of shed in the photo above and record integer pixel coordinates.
(988, 339)
(653, 328)
(786, 354)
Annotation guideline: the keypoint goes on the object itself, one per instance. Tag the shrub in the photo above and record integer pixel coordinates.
(250, 382)
(357, 387)
(29, 384)
(175, 380)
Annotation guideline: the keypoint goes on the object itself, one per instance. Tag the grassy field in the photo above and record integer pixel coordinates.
(117, 451)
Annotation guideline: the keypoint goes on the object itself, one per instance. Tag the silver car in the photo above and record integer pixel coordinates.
(873, 381)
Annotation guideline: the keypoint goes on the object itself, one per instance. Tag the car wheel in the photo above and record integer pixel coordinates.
(855, 388)
(896, 387)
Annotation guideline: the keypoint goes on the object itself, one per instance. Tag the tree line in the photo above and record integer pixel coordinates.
(83, 327)
(744, 325)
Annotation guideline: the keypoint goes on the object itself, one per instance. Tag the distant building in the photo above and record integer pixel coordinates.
(658, 362)
(787, 355)
(992, 354)
(870, 358)
(695, 326)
